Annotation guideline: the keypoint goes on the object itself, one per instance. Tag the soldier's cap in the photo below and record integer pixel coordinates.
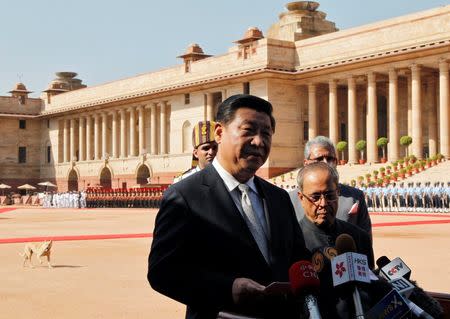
(202, 133)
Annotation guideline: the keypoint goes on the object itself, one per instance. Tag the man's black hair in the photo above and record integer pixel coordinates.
(228, 108)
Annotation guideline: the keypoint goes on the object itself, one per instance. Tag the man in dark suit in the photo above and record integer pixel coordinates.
(352, 205)
(223, 234)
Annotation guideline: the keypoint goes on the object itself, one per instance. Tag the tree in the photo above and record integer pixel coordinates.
(406, 141)
(361, 146)
(381, 143)
(341, 146)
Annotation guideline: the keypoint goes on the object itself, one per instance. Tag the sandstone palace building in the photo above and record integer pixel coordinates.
(385, 79)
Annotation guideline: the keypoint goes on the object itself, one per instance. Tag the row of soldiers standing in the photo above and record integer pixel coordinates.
(147, 197)
(409, 197)
(64, 200)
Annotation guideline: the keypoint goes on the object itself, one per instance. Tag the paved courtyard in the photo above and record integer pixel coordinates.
(100, 261)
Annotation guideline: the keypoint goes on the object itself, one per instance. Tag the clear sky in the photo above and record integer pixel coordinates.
(106, 40)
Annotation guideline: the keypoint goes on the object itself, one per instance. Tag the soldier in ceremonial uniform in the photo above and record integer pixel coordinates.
(205, 148)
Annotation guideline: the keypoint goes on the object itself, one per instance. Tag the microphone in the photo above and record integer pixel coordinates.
(305, 282)
(393, 269)
(349, 267)
(392, 306)
(414, 295)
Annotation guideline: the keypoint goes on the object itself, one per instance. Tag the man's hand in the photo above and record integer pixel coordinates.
(246, 291)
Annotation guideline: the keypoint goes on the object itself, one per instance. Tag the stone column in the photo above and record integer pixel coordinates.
(444, 109)
(66, 141)
(123, 151)
(153, 145)
(372, 123)
(114, 140)
(333, 112)
(163, 123)
(409, 101)
(81, 139)
(432, 115)
(132, 132)
(352, 120)
(416, 104)
(394, 138)
(209, 107)
(313, 123)
(104, 134)
(96, 136)
(88, 138)
(141, 135)
(72, 140)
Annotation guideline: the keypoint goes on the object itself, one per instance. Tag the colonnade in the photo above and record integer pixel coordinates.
(116, 133)
(438, 136)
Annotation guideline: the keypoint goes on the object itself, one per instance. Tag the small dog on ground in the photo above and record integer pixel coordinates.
(40, 249)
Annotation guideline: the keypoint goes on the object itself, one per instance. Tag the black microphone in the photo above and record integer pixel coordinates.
(398, 273)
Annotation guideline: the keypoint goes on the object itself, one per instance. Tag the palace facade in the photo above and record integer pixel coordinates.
(386, 79)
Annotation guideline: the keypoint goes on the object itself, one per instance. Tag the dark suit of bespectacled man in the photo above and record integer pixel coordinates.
(352, 204)
(211, 251)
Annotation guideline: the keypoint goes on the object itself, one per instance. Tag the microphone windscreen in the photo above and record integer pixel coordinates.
(303, 278)
(383, 261)
(345, 244)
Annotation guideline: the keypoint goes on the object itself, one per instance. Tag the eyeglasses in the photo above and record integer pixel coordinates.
(324, 158)
(330, 197)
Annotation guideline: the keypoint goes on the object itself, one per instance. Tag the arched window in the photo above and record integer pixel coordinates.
(187, 137)
(72, 181)
(143, 175)
(105, 178)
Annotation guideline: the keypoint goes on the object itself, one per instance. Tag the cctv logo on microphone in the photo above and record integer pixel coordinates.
(396, 269)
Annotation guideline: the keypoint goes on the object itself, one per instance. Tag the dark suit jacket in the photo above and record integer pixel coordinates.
(201, 243)
(347, 198)
(317, 239)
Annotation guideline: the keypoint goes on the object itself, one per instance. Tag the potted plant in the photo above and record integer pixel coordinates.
(360, 179)
(361, 146)
(406, 141)
(382, 171)
(381, 143)
(428, 163)
(375, 174)
(439, 157)
(409, 169)
(433, 160)
(379, 182)
(388, 169)
(341, 146)
(412, 159)
(368, 175)
(416, 167)
(394, 176)
(402, 173)
(400, 163)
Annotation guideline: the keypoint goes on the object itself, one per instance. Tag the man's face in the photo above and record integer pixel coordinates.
(320, 154)
(244, 143)
(319, 198)
(205, 153)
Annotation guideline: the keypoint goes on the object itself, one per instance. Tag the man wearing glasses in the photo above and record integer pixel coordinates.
(352, 205)
(319, 197)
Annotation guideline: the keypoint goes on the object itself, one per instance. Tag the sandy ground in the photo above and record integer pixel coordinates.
(107, 278)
